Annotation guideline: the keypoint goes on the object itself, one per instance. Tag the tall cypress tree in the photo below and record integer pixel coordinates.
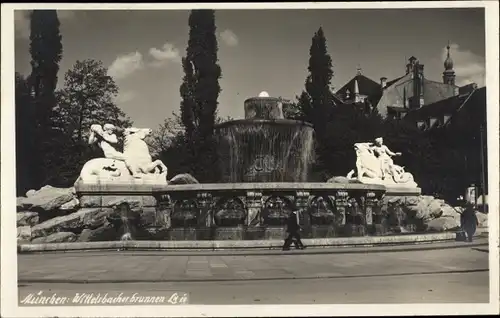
(316, 101)
(24, 135)
(200, 90)
(46, 53)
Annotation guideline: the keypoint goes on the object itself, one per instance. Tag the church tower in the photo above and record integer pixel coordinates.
(449, 73)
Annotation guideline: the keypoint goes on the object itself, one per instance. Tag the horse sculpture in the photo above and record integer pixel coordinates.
(137, 156)
(137, 163)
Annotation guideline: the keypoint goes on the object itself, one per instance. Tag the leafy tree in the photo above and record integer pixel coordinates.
(87, 98)
(170, 144)
(46, 53)
(25, 134)
(199, 92)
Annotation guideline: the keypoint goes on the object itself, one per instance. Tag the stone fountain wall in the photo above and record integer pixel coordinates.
(225, 212)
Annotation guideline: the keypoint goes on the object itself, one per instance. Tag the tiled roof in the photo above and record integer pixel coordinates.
(403, 88)
(389, 83)
(465, 108)
(366, 86)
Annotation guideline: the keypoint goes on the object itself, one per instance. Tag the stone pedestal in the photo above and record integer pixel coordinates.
(254, 208)
(205, 218)
(341, 198)
(164, 211)
(302, 203)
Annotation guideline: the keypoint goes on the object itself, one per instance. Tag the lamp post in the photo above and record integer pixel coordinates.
(483, 176)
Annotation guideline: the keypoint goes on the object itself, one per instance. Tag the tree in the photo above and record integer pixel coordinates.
(169, 143)
(163, 137)
(87, 98)
(200, 91)
(25, 133)
(46, 53)
(316, 101)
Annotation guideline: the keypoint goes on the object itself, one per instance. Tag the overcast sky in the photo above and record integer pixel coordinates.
(260, 50)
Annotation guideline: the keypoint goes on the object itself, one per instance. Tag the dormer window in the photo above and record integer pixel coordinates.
(421, 124)
(433, 122)
(446, 118)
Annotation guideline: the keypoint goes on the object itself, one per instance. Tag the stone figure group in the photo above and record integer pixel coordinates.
(135, 162)
(374, 164)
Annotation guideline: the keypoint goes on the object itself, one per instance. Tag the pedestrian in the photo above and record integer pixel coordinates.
(469, 221)
(293, 228)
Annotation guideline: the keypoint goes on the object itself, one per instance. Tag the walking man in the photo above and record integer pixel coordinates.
(469, 221)
(293, 228)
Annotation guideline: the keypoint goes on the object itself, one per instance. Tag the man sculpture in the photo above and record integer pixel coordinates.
(107, 140)
(134, 162)
(384, 155)
(374, 164)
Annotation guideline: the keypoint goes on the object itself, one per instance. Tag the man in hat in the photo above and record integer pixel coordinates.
(293, 228)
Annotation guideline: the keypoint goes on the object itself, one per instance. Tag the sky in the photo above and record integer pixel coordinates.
(260, 50)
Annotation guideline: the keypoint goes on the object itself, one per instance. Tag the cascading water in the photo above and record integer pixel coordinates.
(264, 147)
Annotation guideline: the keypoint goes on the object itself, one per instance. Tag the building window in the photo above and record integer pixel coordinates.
(421, 124)
(433, 122)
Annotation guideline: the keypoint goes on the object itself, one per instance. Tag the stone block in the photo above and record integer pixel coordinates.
(229, 233)
(323, 231)
(255, 233)
(275, 233)
(23, 233)
(60, 237)
(27, 218)
(148, 201)
(182, 234)
(90, 201)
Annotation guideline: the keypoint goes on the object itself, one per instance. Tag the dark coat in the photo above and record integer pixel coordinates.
(468, 220)
(292, 225)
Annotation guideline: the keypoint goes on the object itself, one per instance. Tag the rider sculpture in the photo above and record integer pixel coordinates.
(374, 165)
(134, 162)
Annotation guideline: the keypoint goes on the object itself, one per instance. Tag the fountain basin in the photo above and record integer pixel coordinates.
(264, 150)
(247, 211)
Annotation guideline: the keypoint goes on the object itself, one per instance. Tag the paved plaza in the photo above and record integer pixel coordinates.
(391, 276)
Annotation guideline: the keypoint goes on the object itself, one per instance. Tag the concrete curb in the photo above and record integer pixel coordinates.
(237, 245)
(240, 279)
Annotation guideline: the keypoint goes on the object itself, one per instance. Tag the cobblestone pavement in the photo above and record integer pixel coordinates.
(113, 266)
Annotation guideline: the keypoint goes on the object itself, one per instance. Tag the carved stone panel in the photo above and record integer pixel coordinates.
(184, 213)
(229, 211)
(164, 211)
(322, 211)
(276, 210)
(254, 208)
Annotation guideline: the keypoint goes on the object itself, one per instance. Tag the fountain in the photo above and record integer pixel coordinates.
(264, 147)
(264, 165)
